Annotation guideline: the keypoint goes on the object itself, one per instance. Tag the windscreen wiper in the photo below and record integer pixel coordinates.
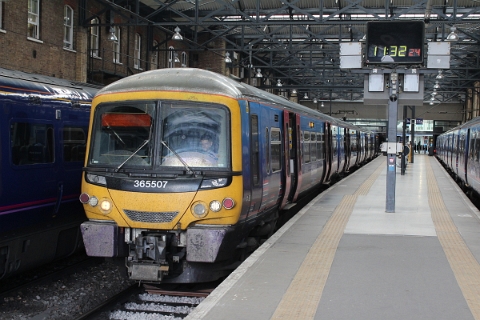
(131, 156)
(189, 170)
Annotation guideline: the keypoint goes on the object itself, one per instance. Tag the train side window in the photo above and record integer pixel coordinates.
(267, 149)
(306, 146)
(313, 147)
(74, 143)
(320, 146)
(477, 149)
(255, 149)
(31, 143)
(275, 148)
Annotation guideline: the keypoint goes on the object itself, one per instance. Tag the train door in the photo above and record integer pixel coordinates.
(328, 151)
(32, 149)
(291, 125)
(348, 149)
(255, 171)
(71, 150)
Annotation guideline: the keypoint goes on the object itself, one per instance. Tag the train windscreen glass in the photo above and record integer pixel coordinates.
(123, 135)
(186, 135)
(195, 135)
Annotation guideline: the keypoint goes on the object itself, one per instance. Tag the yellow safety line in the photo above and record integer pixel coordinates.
(464, 265)
(301, 299)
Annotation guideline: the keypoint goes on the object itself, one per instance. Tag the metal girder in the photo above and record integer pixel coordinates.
(297, 41)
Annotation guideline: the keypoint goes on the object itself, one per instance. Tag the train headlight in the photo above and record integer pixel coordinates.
(96, 179)
(105, 206)
(215, 206)
(93, 201)
(199, 209)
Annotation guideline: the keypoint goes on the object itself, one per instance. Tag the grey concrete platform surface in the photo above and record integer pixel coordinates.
(344, 257)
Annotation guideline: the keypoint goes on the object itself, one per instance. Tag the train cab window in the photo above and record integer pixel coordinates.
(31, 143)
(275, 149)
(122, 135)
(306, 147)
(196, 135)
(74, 143)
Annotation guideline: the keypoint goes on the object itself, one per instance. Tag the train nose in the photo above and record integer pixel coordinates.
(154, 208)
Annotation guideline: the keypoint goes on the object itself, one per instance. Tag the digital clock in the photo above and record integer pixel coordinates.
(395, 42)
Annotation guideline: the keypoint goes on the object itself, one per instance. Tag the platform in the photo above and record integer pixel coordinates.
(343, 257)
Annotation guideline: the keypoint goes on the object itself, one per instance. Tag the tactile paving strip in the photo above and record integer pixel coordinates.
(464, 265)
(311, 277)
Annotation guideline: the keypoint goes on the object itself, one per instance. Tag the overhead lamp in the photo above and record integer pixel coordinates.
(322, 105)
(431, 103)
(305, 96)
(453, 36)
(436, 86)
(227, 58)
(259, 73)
(294, 91)
(111, 35)
(177, 36)
(315, 100)
(439, 75)
(279, 83)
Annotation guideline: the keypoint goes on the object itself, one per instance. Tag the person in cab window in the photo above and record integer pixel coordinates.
(206, 143)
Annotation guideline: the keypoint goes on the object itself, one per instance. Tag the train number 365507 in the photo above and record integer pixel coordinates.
(149, 184)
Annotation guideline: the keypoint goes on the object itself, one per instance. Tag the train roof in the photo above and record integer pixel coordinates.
(469, 123)
(18, 82)
(204, 81)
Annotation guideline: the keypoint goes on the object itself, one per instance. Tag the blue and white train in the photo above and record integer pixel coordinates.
(459, 150)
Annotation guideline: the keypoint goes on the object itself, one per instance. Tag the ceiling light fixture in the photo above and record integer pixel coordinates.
(177, 36)
(453, 36)
(227, 58)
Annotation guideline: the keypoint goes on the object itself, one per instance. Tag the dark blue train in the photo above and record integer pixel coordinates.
(43, 133)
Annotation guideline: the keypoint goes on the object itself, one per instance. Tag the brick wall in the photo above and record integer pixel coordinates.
(48, 57)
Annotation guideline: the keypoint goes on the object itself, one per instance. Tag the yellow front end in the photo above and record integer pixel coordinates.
(161, 231)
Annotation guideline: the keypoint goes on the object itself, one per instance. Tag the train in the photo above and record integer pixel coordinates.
(458, 151)
(174, 211)
(43, 134)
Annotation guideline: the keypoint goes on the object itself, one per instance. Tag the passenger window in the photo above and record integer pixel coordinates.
(275, 148)
(74, 143)
(313, 147)
(267, 149)
(306, 147)
(31, 143)
(320, 145)
(255, 150)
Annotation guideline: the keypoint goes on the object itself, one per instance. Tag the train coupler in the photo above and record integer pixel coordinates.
(146, 272)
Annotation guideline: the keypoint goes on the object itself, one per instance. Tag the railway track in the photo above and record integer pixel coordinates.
(151, 302)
